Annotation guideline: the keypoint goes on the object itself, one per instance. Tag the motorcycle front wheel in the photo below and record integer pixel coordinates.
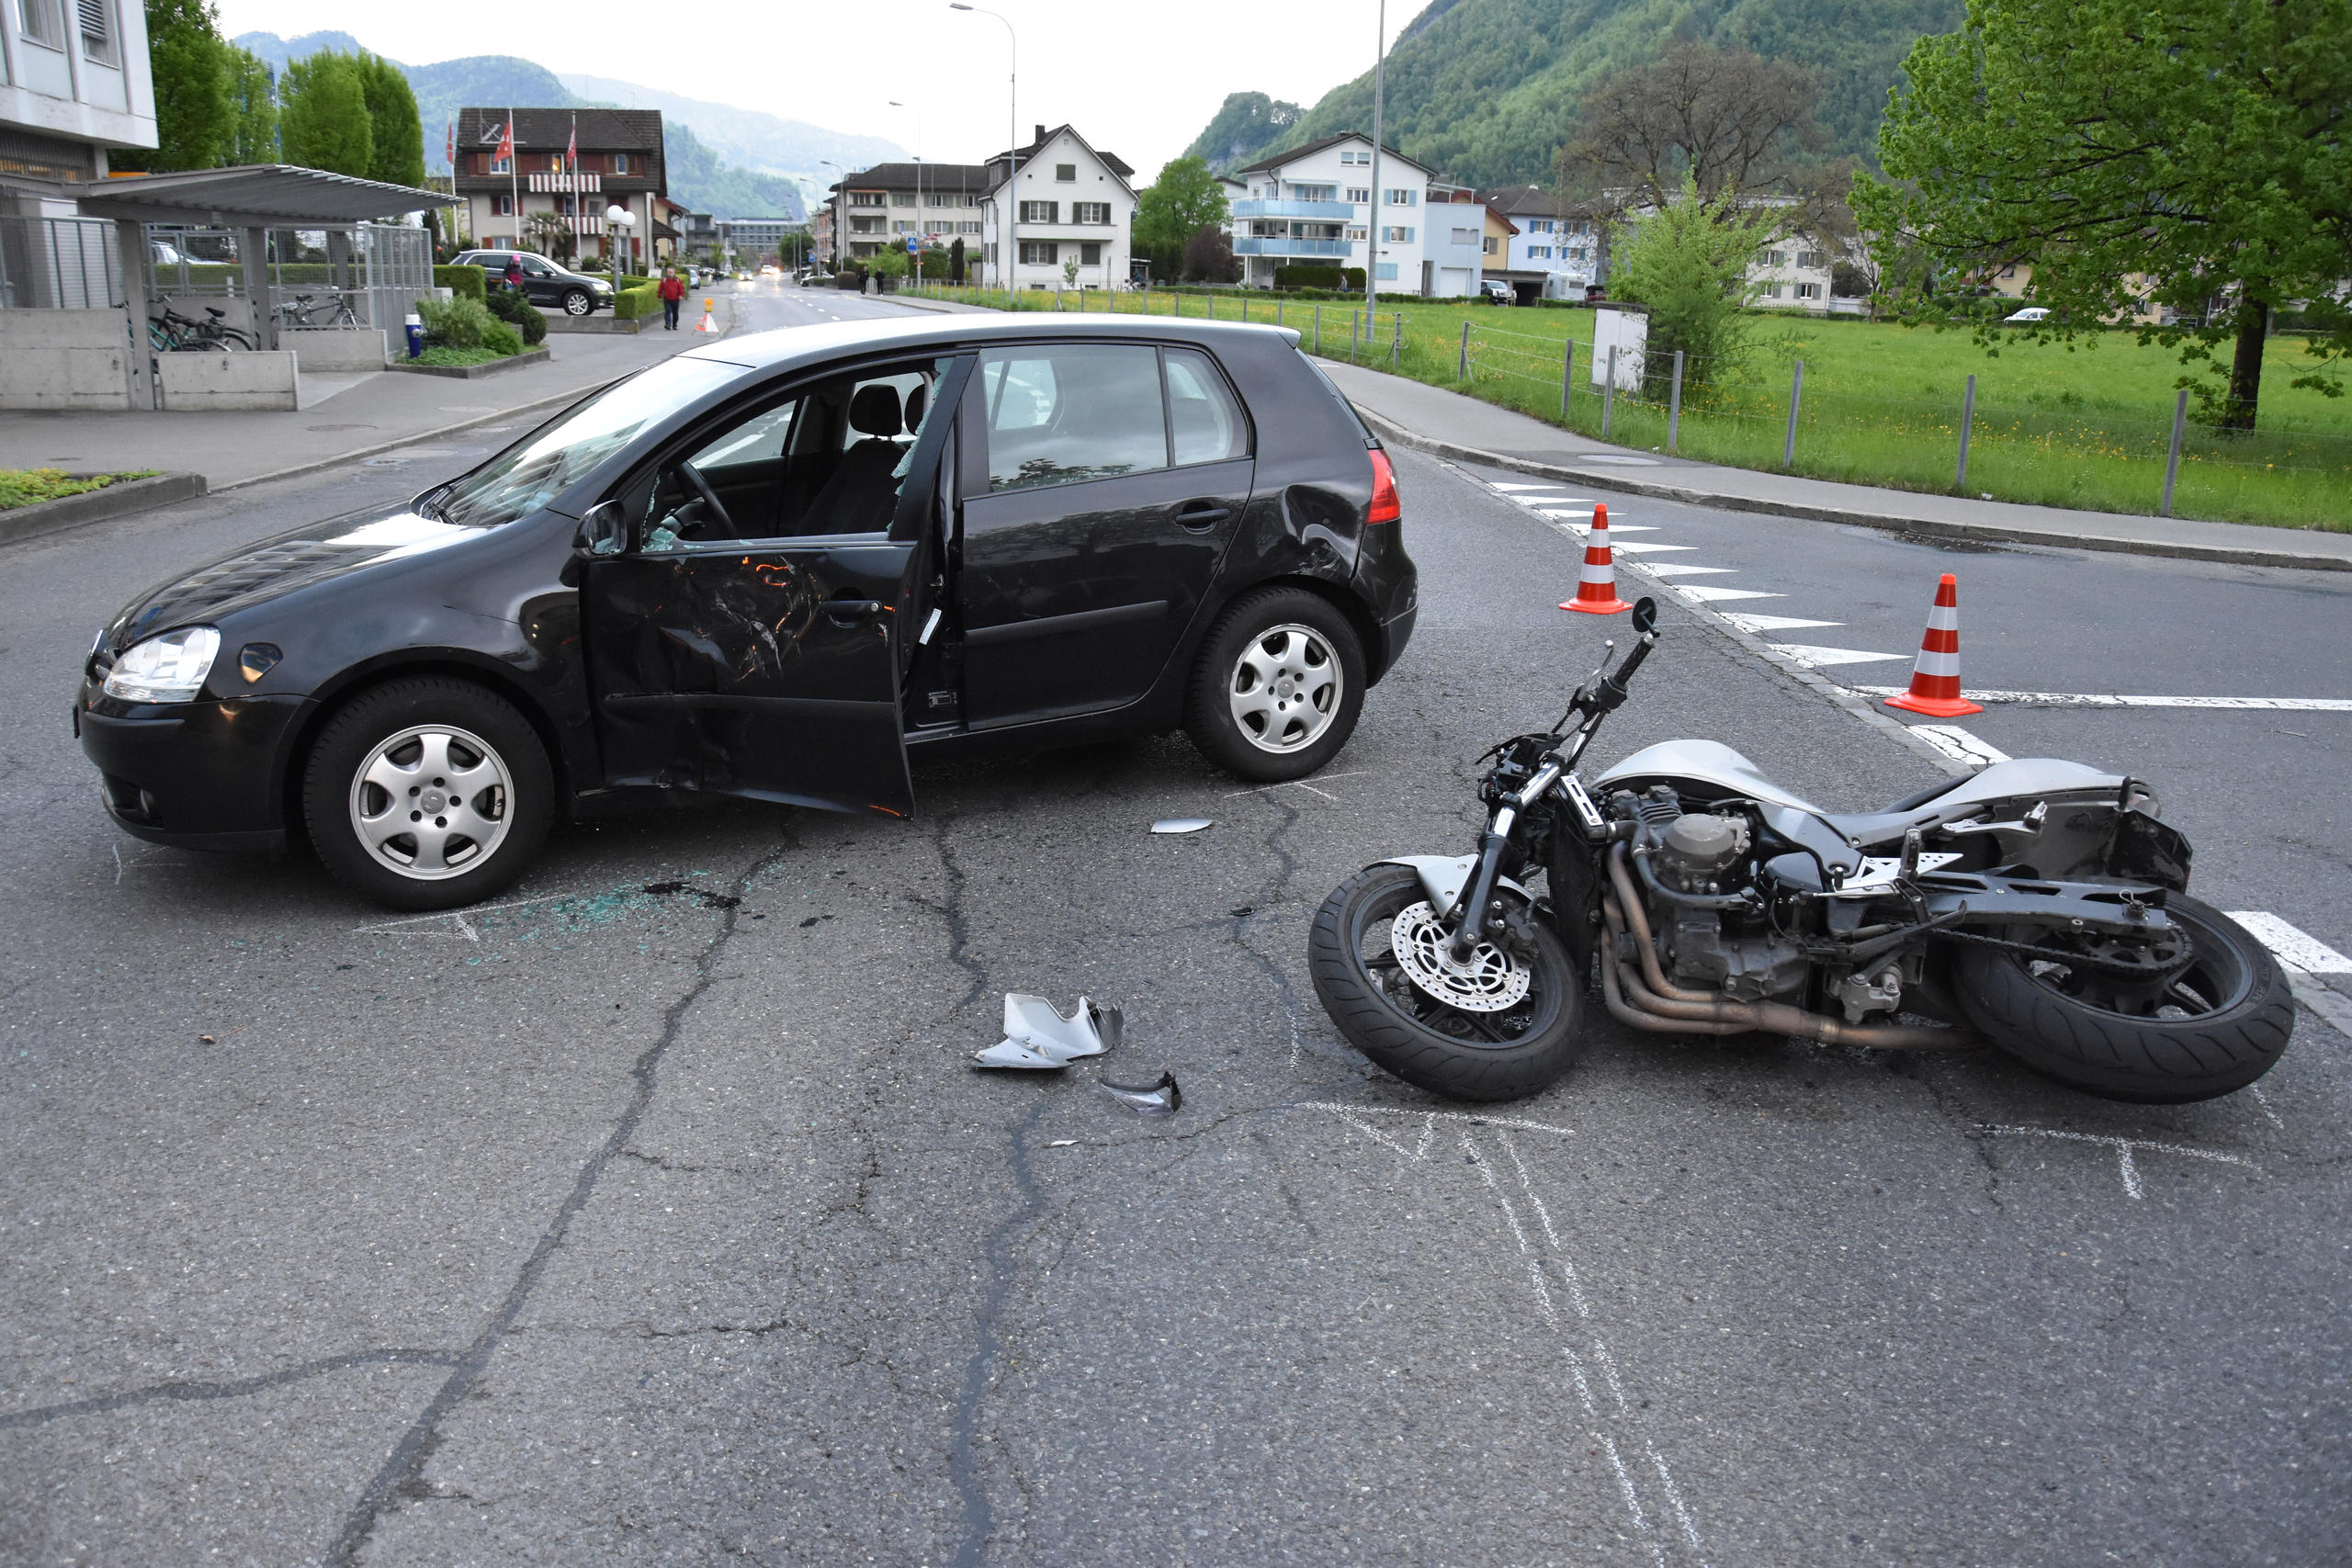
(2215, 1026)
(1503, 1026)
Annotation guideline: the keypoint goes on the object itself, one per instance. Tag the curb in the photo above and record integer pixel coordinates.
(467, 372)
(1917, 527)
(97, 505)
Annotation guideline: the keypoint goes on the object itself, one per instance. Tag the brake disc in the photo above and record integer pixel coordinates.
(1489, 980)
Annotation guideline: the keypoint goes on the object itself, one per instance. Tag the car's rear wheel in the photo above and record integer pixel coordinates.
(578, 303)
(428, 793)
(1278, 687)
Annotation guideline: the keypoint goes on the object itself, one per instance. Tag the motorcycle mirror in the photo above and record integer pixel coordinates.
(1645, 616)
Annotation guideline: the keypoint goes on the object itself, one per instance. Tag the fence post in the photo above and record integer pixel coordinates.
(1319, 326)
(1967, 421)
(2172, 459)
(1609, 394)
(1278, 311)
(1245, 309)
(1796, 393)
(1397, 344)
(1355, 325)
(1674, 406)
(1568, 374)
(1462, 368)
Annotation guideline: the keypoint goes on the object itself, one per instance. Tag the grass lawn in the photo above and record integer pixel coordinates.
(2083, 427)
(22, 487)
(446, 355)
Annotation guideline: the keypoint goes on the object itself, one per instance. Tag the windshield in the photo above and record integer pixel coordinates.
(535, 471)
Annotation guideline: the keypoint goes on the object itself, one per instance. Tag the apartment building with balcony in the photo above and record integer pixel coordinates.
(1314, 204)
(74, 86)
(618, 162)
(885, 206)
(1070, 206)
(1555, 252)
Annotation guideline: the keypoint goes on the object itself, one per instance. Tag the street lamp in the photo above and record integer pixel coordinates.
(1012, 133)
(1373, 230)
(618, 219)
(919, 230)
(841, 212)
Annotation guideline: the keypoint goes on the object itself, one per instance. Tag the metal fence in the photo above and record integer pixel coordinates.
(59, 264)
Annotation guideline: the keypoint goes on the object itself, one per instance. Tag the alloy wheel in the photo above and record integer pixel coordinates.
(1285, 688)
(431, 802)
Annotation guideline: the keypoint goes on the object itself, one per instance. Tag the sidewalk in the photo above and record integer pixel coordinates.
(1448, 424)
(356, 416)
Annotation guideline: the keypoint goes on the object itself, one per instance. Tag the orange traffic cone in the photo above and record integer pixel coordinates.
(1597, 589)
(1935, 676)
(705, 324)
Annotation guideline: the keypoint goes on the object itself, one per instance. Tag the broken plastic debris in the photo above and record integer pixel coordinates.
(1161, 1099)
(1037, 1036)
(1182, 824)
(1063, 1144)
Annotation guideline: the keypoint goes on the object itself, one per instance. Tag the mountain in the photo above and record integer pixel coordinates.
(1248, 125)
(1485, 91)
(750, 138)
(706, 175)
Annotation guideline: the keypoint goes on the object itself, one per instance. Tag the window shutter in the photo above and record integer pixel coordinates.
(97, 39)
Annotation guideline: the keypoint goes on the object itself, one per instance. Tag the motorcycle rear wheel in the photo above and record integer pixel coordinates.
(1463, 1054)
(2216, 1027)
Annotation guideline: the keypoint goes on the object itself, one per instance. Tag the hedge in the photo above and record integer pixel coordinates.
(631, 303)
(1304, 275)
(466, 282)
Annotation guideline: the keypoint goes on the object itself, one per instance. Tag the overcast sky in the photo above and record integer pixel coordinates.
(1140, 81)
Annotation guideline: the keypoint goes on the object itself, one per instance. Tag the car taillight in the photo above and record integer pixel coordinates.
(1386, 507)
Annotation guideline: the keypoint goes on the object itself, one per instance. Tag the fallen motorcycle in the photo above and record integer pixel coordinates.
(2038, 905)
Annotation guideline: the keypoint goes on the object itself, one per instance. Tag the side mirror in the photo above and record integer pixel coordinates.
(1645, 616)
(604, 531)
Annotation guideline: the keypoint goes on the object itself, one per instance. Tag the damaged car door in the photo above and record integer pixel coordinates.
(749, 594)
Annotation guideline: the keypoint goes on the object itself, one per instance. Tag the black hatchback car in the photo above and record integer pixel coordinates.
(773, 567)
(543, 282)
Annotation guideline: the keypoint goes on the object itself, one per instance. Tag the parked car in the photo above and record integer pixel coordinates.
(1494, 291)
(544, 283)
(2031, 313)
(777, 567)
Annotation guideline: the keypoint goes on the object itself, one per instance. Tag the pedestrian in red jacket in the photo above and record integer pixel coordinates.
(673, 291)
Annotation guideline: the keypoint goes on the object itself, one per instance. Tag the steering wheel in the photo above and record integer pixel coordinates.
(710, 496)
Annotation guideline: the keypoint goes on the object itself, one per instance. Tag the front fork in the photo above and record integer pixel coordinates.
(1477, 905)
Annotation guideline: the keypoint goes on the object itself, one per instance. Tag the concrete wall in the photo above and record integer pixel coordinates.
(64, 359)
(229, 380)
(336, 353)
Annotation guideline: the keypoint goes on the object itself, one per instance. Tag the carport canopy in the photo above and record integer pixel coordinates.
(254, 196)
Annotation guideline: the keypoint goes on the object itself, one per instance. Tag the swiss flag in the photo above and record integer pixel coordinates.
(505, 141)
(571, 148)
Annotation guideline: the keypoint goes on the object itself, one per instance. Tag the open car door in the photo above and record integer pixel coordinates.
(747, 636)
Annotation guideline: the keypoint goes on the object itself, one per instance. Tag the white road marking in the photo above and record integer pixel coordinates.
(1670, 569)
(1807, 654)
(1633, 1503)
(2116, 699)
(1702, 593)
(1324, 778)
(1752, 624)
(1513, 488)
(2263, 1100)
(1959, 745)
(2293, 946)
(1474, 1118)
(2125, 1167)
(1644, 548)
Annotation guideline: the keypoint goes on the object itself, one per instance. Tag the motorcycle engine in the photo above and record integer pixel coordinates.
(1702, 852)
(1694, 851)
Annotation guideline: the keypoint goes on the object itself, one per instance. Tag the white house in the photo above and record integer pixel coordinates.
(1792, 272)
(1070, 210)
(1552, 252)
(1314, 204)
(74, 85)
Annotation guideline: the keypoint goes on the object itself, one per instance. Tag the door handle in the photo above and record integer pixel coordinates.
(1202, 513)
(853, 609)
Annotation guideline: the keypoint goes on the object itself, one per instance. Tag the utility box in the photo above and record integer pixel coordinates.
(1627, 332)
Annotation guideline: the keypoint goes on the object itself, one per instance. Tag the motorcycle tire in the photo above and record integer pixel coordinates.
(1461, 1056)
(2216, 1029)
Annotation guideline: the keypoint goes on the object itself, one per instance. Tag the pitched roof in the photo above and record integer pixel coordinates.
(901, 177)
(998, 171)
(1534, 201)
(1294, 153)
(548, 130)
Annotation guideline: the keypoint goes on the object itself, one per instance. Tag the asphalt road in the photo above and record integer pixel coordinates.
(654, 1215)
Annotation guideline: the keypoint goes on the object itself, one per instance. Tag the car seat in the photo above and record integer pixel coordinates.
(857, 498)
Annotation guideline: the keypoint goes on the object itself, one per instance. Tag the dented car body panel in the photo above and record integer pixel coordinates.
(680, 659)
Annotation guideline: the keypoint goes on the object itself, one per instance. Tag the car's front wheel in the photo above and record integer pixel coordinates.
(578, 302)
(1278, 687)
(428, 793)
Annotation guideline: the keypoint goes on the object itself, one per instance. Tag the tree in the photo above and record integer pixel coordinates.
(1173, 209)
(253, 92)
(955, 261)
(322, 118)
(2192, 150)
(397, 153)
(1728, 119)
(551, 235)
(196, 122)
(1208, 257)
(1688, 261)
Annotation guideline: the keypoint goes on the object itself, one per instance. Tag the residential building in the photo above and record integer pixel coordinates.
(1556, 252)
(1792, 273)
(1314, 204)
(1494, 246)
(752, 241)
(890, 203)
(619, 163)
(697, 233)
(823, 233)
(1071, 210)
(74, 86)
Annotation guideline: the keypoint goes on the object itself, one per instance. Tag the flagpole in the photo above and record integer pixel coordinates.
(514, 179)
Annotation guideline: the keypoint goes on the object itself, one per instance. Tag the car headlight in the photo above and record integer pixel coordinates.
(603, 287)
(168, 668)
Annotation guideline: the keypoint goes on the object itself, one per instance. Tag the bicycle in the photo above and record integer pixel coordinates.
(176, 333)
(302, 313)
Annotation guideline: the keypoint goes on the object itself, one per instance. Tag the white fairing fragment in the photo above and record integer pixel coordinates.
(1038, 1037)
(1443, 876)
